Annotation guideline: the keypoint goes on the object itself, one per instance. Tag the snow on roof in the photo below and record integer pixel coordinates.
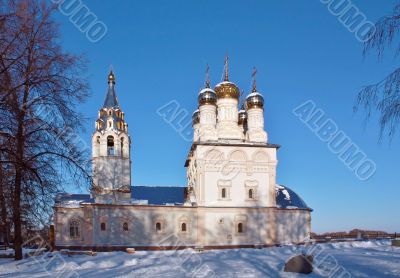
(72, 200)
(287, 198)
(163, 195)
(254, 94)
(206, 90)
(224, 82)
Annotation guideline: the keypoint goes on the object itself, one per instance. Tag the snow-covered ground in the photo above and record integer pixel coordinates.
(346, 259)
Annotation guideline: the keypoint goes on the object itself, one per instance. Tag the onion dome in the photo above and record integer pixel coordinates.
(242, 116)
(255, 99)
(227, 89)
(196, 117)
(207, 95)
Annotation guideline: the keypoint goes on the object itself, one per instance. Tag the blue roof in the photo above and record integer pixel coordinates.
(111, 100)
(287, 198)
(161, 195)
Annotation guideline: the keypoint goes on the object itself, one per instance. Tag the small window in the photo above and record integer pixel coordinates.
(74, 229)
(110, 113)
(223, 193)
(98, 139)
(158, 226)
(240, 228)
(125, 227)
(251, 194)
(183, 227)
(103, 226)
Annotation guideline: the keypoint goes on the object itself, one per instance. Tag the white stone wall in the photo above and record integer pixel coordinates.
(221, 226)
(205, 226)
(237, 169)
(111, 171)
(255, 126)
(208, 121)
(293, 226)
(227, 123)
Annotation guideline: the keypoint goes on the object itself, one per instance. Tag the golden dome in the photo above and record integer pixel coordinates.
(227, 89)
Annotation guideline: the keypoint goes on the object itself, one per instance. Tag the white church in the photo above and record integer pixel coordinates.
(231, 199)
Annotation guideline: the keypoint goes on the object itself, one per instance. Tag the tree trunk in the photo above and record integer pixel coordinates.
(18, 179)
(17, 198)
(3, 208)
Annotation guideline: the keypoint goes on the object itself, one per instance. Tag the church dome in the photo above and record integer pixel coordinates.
(254, 100)
(227, 89)
(242, 116)
(196, 117)
(207, 96)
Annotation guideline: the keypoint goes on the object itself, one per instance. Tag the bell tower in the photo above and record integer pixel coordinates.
(111, 152)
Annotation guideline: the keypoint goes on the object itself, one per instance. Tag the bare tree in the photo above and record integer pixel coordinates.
(383, 96)
(43, 86)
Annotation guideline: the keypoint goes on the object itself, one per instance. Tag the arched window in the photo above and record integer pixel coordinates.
(74, 229)
(183, 227)
(97, 147)
(158, 226)
(103, 226)
(109, 113)
(250, 193)
(122, 146)
(110, 145)
(125, 227)
(240, 228)
(223, 193)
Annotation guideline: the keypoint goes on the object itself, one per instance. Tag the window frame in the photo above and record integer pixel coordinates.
(158, 226)
(253, 186)
(74, 230)
(224, 186)
(184, 228)
(240, 228)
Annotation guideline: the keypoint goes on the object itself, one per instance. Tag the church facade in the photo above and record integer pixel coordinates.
(231, 198)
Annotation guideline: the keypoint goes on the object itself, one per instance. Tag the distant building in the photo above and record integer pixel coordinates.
(231, 198)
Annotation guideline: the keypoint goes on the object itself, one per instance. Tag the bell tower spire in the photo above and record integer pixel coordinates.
(111, 151)
(111, 100)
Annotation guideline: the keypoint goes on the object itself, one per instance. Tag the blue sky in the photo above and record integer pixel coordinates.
(159, 50)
